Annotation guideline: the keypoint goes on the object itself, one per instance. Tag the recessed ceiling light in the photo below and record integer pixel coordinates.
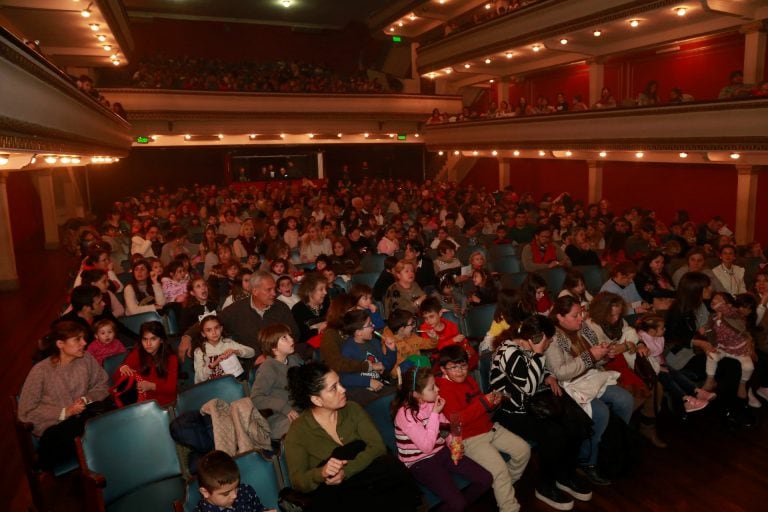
(391, 29)
(101, 38)
(311, 135)
(542, 153)
(448, 71)
(639, 154)
(339, 134)
(516, 153)
(85, 13)
(412, 17)
(391, 135)
(282, 135)
(65, 160)
(75, 159)
(439, 153)
(286, 3)
(416, 135)
(252, 136)
(603, 154)
(115, 62)
(94, 27)
(50, 159)
(494, 152)
(467, 65)
(735, 156)
(491, 81)
(187, 136)
(4, 158)
(563, 41)
(220, 136)
(456, 152)
(683, 154)
(399, 23)
(107, 47)
(508, 55)
(597, 33)
(568, 153)
(681, 11)
(475, 153)
(366, 135)
(634, 23)
(441, 2)
(487, 61)
(536, 47)
(431, 75)
(488, 7)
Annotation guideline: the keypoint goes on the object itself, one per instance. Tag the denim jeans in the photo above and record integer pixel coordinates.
(616, 400)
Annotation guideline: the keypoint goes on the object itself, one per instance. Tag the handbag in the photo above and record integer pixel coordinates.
(545, 406)
(126, 391)
(644, 369)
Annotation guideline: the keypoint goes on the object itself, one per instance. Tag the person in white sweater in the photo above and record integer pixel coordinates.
(214, 349)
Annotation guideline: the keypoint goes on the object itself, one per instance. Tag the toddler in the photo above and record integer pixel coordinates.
(104, 344)
(219, 480)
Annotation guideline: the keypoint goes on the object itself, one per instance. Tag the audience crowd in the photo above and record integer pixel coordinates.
(381, 281)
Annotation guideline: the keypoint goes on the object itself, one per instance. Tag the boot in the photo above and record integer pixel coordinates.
(648, 430)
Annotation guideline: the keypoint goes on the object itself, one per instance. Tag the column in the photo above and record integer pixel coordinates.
(320, 166)
(746, 203)
(9, 279)
(503, 84)
(595, 185)
(48, 204)
(754, 53)
(504, 169)
(596, 80)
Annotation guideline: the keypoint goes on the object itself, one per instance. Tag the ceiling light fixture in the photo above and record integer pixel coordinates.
(487, 61)
(311, 135)
(391, 135)
(339, 134)
(488, 7)
(475, 153)
(107, 47)
(391, 29)
(563, 41)
(220, 136)
(94, 27)
(568, 153)
(735, 156)
(681, 11)
(286, 3)
(65, 160)
(603, 154)
(412, 17)
(683, 154)
(4, 157)
(101, 38)
(115, 62)
(597, 33)
(75, 159)
(439, 153)
(491, 81)
(542, 153)
(86, 13)
(508, 55)
(639, 154)
(366, 135)
(516, 153)
(187, 137)
(399, 23)
(536, 47)
(456, 152)
(467, 65)
(416, 135)
(494, 152)
(634, 23)
(252, 136)
(448, 71)
(50, 159)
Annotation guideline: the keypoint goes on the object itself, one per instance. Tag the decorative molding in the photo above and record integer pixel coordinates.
(20, 135)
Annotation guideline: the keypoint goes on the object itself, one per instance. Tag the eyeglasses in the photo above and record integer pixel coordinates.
(461, 367)
(368, 325)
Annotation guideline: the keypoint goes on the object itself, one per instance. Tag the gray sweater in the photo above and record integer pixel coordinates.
(270, 391)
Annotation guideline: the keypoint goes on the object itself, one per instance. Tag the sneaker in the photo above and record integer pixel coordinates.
(576, 488)
(693, 404)
(595, 478)
(554, 497)
(752, 400)
(762, 393)
(705, 395)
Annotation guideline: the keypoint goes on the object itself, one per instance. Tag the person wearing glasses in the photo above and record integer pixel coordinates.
(484, 441)
(361, 346)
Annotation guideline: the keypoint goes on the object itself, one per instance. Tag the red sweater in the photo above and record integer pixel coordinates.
(166, 388)
(444, 337)
(467, 399)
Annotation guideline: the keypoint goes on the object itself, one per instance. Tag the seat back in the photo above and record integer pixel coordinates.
(514, 280)
(255, 470)
(133, 322)
(502, 250)
(224, 388)
(508, 264)
(451, 316)
(373, 263)
(130, 447)
(478, 320)
(112, 363)
(368, 278)
(555, 278)
(378, 410)
(593, 278)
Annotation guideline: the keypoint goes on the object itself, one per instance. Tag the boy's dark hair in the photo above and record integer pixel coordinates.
(92, 275)
(445, 245)
(324, 258)
(354, 320)
(215, 469)
(283, 278)
(430, 305)
(453, 353)
(390, 262)
(83, 295)
(398, 319)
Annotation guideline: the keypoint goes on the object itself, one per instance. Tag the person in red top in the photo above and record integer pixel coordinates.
(541, 253)
(444, 331)
(154, 361)
(483, 439)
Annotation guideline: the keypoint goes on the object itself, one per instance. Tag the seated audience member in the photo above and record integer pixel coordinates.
(431, 455)
(484, 441)
(105, 344)
(154, 364)
(541, 253)
(213, 349)
(578, 105)
(144, 294)
(310, 312)
(730, 276)
(442, 234)
(241, 287)
(197, 306)
(389, 243)
(344, 261)
(676, 95)
(622, 283)
(285, 291)
(401, 326)
(641, 243)
(650, 95)
(142, 242)
(404, 293)
(61, 392)
(336, 481)
(579, 250)
(534, 295)
(695, 262)
(218, 478)
(175, 244)
(442, 331)
(230, 227)
(708, 233)
(362, 296)
(653, 283)
(425, 270)
(484, 288)
(446, 259)
(362, 346)
(87, 305)
(451, 297)
(518, 373)
(174, 282)
(313, 243)
(98, 258)
(113, 308)
(606, 100)
(736, 87)
(574, 286)
(246, 244)
(270, 388)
